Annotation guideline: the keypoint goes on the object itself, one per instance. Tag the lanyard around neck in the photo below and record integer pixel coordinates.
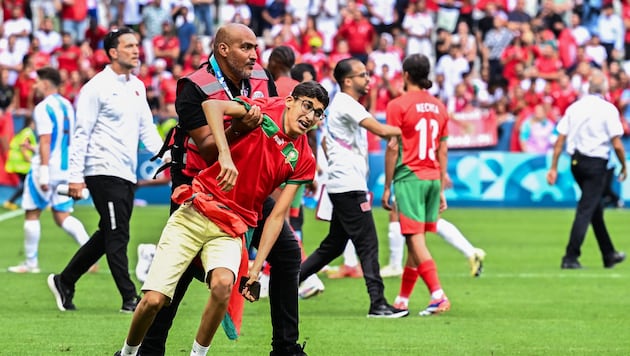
(221, 79)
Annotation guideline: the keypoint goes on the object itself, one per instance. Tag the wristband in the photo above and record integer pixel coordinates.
(44, 175)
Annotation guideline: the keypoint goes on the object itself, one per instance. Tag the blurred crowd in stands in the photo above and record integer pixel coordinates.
(520, 62)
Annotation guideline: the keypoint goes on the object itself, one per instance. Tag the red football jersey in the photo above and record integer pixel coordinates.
(265, 158)
(422, 119)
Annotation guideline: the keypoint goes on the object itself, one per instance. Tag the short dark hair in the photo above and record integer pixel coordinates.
(283, 55)
(418, 67)
(50, 74)
(297, 72)
(343, 69)
(311, 89)
(111, 39)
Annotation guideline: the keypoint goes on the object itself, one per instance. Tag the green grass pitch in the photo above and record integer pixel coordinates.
(523, 304)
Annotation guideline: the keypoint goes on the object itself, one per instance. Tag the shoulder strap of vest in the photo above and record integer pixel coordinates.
(205, 80)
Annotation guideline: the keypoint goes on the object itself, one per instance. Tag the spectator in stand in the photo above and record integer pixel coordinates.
(74, 18)
(495, 42)
(310, 32)
(168, 91)
(546, 16)
(563, 94)
(625, 16)
(95, 34)
(68, 56)
(40, 59)
(299, 9)
(580, 79)
(327, 14)
(448, 13)
(515, 56)
(342, 51)
(536, 132)
(20, 27)
(316, 57)
(186, 35)
(273, 14)
(159, 73)
(49, 39)
(288, 30)
(129, 14)
(418, 25)
(258, 22)
(153, 16)
(383, 15)
(166, 45)
(358, 32)
(596, 52)
(204, 16)
(384, 55)
(581, 34)
(467, 42)
(611, 32)
(384, 89)
(486, 23)
(450, 69)
(237, 11)
(71, 85)
(23, 98)
(11, 59)
(567, 45)
(548, 65)
(519, 15)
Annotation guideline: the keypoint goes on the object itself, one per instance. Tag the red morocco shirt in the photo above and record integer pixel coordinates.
(422, 119)
(265, 158)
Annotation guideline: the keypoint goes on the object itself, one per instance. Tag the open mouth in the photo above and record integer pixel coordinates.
(304, 124)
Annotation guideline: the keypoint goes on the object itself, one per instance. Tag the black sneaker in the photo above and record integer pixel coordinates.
(293, 350)
(611, 260)
(118, 353)
(63, 296)
(570, 264)
(129, 306)
(387, 311)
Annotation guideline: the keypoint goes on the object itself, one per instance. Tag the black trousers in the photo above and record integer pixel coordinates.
(113, 199)
(284, 258)
(590, 175)
(351, 220)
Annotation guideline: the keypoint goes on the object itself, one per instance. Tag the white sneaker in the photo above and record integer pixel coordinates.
(311, 287)
(476, 262)
(145, 257)
(24, 268)
(264, 285)
(391, 271)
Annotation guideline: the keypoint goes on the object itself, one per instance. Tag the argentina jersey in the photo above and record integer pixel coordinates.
(54, 116)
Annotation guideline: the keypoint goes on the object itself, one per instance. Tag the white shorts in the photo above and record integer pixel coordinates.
(34, 198)
(187, 233)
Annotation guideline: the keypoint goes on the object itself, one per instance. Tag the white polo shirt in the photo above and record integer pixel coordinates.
(112, 117)
(347, 145)
(589, 124)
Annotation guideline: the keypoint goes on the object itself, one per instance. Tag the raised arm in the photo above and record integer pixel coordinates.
(214, 111)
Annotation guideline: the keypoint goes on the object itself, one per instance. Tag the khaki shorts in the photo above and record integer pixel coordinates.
(186, 233)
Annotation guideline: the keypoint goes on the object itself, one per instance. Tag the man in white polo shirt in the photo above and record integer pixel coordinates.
(589, 127)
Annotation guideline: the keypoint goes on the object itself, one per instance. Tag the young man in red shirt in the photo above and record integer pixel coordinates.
(276, 152)
(418, 169)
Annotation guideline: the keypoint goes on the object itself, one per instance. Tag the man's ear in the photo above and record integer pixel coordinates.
(223, 49)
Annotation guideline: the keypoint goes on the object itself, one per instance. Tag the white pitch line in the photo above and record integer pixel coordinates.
(567, 274)
(11, 214)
